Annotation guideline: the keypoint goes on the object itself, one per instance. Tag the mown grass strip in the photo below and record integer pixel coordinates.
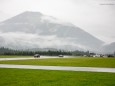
(82, 62)
(28, 77)
(13, 56)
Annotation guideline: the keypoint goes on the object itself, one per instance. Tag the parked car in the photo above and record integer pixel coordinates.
(37, 56)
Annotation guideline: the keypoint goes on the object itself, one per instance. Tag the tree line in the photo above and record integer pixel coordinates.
(8, 51)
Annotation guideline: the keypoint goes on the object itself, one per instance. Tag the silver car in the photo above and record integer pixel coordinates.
(37, 56)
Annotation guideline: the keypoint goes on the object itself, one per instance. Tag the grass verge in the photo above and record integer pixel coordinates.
(83, 62)
(13, 56)
(28, 77)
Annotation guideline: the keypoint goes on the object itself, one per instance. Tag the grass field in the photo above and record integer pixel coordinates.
(13, 56)
(28, 77)
(83, 62)
(32, 77)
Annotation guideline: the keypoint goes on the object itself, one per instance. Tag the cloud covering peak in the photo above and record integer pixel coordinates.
(35, 30)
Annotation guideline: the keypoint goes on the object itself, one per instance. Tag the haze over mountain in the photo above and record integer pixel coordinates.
(35, 30)
(109, 48)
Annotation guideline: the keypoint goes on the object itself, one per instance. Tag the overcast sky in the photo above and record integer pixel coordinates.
(94, 16)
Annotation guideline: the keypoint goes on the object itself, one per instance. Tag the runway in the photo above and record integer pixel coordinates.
(64, 68)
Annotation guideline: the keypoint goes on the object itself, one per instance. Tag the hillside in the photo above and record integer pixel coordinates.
(35, 30)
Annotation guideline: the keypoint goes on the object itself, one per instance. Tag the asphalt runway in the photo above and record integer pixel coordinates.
(64, 68)
(42, 57)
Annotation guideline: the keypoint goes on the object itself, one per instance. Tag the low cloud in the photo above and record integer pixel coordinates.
(20, 40)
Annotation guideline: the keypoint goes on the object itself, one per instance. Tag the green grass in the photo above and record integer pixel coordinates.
(13, 56)
(83, 62)
(28, 77)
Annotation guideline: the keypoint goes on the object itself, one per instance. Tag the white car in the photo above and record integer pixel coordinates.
(37, 56)
(61, 56)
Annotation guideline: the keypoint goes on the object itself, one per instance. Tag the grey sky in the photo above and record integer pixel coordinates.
(94, 16)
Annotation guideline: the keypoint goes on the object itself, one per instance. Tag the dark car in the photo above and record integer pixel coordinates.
(37, 56)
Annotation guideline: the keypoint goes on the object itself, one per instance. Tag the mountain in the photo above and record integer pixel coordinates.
(109, 48)
(35, 30)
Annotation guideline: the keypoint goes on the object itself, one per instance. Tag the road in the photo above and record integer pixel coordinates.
(42, 57)
(64, 68)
